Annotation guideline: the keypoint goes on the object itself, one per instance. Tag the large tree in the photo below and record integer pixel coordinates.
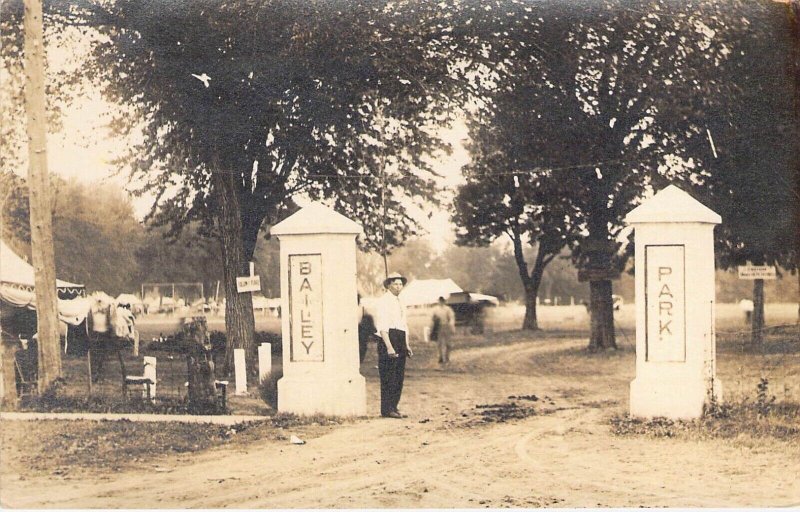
(613, 96)
(754, 169)
(95, 232)
(245, 105)
(525, 207)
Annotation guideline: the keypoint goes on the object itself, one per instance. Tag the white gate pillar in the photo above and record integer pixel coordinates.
(675, 341)
(319, 301)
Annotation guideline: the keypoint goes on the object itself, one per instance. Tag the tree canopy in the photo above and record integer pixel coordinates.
(616, 99)
(526, 207)
(285, 98)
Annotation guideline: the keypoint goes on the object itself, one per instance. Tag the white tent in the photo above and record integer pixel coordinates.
(128, 299)
(265, 305)
(423, 292)
(17, 288)
(260, 303)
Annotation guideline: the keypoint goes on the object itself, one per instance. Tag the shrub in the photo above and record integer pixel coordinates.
(762, 418)
(219, 339)
(268, 389)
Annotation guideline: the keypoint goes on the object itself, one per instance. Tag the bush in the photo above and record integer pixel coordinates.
(761, 418)
(51, 402)
(275, 340)
(219, 339)
(268, 389)
(166, 344)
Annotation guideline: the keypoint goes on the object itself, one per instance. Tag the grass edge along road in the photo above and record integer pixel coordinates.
(58, 447)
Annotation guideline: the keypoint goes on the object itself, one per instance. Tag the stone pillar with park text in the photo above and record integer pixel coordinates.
(675, 304)
(319, 305)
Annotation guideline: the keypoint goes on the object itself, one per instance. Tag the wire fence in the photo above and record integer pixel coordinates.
(742, 365)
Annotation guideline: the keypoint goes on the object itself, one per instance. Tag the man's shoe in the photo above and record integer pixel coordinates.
(392, 414)
(401, 414)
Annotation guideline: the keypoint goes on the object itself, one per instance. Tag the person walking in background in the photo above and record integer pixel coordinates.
(393, 347)
(444, 325)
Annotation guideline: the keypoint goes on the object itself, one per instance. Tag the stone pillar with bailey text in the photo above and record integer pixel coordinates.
(675, 301)
(319, 306)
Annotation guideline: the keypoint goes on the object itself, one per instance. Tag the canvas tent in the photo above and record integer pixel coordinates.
(128, 299)
(131, 302)
(265, 305)
(17, 288)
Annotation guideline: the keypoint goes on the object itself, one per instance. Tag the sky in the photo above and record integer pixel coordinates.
(84, 149)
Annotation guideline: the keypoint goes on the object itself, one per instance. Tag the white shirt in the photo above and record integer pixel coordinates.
(390, 313)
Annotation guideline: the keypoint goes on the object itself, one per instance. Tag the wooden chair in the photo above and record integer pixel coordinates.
(147, 380)
(27, 384)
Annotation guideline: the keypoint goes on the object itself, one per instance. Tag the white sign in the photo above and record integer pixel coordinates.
(665, 303)
(305, 308)
(757, 272)
(248, 284)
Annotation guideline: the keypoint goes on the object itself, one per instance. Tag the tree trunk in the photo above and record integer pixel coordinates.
(239, 320)
(202, 392)
(530, 322)
(40, 204)
(757, 325)
(601, 308)
(202, 389)
(9, 384)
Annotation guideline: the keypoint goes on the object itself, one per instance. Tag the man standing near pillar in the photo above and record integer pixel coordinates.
(392, 326)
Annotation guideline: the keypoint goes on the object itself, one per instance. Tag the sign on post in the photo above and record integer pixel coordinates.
(757, 272)
(251, 283)
(248, 284)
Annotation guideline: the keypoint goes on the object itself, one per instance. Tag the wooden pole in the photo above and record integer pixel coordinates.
(40, 202)
(383, 219)
(89, 366)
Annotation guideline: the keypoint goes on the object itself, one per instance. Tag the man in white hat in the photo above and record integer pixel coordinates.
(393, 348)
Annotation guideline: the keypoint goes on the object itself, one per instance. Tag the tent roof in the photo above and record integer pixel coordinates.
(15, 270)
(427, 291)
(128, 298)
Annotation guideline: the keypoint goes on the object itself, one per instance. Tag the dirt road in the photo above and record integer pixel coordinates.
(562, 454)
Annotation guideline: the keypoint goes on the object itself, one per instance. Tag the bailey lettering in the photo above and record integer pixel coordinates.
(306, 307)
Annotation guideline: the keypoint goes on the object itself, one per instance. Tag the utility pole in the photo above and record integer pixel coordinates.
(40, 203)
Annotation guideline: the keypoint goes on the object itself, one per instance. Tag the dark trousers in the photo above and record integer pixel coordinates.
(392, 371)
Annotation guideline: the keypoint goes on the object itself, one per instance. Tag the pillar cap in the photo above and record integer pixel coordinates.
(316, 218)
(672, 205)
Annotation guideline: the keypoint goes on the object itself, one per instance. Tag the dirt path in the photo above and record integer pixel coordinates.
(564, 456)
